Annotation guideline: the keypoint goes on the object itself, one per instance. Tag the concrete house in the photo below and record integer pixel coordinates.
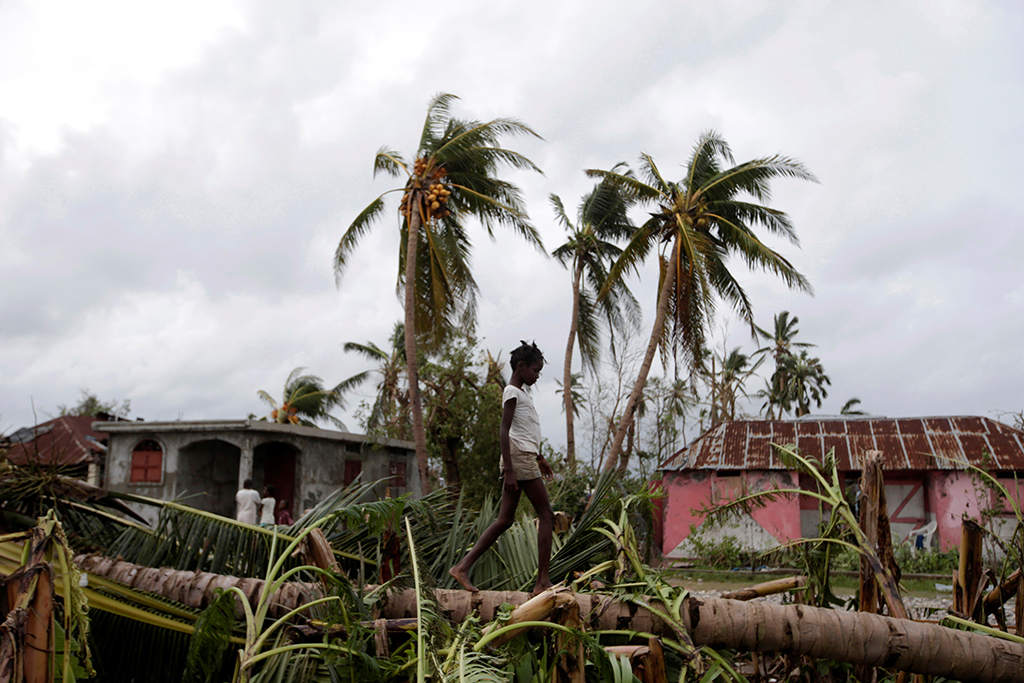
(207, 460)
(924, 464)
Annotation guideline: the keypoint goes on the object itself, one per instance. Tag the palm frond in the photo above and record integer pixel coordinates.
(560, 215)
(355, 232)
(752, 177)
(213, 631)
(632, 189)
(585, 544)
(588, 332)
(438, 114)
(196, 540)
(390, 162)
(703, 163)
(369, 350)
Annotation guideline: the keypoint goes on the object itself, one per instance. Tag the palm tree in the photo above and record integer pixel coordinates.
(850, 407)
(805, 382)
(451, 178)
(727, 376)
(699, 222)
(588, 253)
(781, 342)
(389, 413)
(577, 400)
(305, 401)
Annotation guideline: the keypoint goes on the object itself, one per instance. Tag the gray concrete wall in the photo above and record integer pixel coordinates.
(211, 459)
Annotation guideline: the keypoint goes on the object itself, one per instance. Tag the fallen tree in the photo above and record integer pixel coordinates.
(845, 636)
(840, 635)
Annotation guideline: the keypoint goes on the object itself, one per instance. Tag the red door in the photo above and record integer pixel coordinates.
(279, 470)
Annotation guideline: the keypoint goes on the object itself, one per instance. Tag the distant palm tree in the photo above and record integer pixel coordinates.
(577, 400)
(451, 178)
(305, 401)
(805, 382)
(850, 407)
(727, 376)
(698, 224)
(389, 413)
(781, 342)
(588, 253)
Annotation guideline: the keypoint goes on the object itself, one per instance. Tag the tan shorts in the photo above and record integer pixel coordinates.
(523, 464)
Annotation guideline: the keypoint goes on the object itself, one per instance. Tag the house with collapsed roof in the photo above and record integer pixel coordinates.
(925, 465)
(206, 461)
(74, 443)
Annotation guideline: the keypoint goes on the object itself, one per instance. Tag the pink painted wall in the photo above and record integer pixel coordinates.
(951, 497)
(780, 518)
(685, 492)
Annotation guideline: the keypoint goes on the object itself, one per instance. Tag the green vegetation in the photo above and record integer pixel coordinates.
(91, 405)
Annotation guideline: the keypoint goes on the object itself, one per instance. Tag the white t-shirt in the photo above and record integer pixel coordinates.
(267, 515)
(246, 501)
(525, 429)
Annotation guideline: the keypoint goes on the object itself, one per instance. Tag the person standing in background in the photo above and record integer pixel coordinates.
(247, 501)
(268, 504)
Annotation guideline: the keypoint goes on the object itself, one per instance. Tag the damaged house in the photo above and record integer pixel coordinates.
(204, 462)
(929, 487)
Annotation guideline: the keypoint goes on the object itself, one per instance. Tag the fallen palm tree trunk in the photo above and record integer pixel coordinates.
(854, 637)
(844, 636)
(195, 589)
(598, 612)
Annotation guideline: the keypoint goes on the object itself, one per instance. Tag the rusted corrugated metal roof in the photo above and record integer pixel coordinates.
(66, 440)
(906, 443)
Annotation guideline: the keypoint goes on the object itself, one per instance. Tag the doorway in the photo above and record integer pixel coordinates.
(274, 463)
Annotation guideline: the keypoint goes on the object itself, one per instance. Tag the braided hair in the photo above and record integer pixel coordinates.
(527, 353)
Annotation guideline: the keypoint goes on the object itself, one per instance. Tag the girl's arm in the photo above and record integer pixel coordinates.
(545, 468)
(508, 410)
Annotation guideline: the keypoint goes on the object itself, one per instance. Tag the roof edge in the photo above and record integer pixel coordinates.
(249, 426)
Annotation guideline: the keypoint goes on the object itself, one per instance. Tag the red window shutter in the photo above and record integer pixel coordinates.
(147, 463)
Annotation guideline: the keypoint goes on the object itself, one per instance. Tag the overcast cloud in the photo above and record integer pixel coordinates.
(174, 180)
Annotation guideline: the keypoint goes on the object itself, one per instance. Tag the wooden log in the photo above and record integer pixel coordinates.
(856, 637)
(998, 596)
(879, 571)
(871, 494)
(768, 588)
(968, 576)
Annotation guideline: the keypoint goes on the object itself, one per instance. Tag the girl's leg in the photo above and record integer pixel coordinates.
(537, 493)
(506, 516)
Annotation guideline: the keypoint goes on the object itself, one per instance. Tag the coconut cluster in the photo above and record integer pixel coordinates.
(428, 188)
(285, 414)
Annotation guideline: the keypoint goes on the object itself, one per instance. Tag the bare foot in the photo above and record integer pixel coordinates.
(461, 576)
(541, 587)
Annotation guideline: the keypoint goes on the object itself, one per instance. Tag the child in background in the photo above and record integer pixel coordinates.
(267, 506)
(523, 468)
(284, 518)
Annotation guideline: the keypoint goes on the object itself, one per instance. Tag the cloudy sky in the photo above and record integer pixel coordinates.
(174, 179)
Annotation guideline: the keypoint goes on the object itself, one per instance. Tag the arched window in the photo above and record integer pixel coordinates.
(147, 463)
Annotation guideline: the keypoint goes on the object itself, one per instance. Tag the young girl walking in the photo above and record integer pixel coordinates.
(523, 469)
